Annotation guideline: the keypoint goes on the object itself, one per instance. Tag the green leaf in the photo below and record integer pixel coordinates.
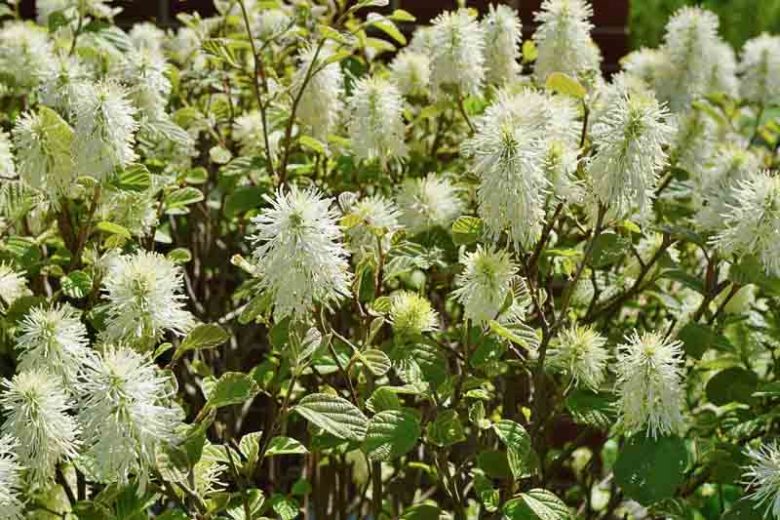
(383, 399)
(530, 52)
(536, 504)
(466, 230)
(446, 429)
(312, 143)
(285, 446)
(76, 284)
(421, 512)
(566, 85)
(386, 26)
(180, 255)
(400, 15)
(733, 384)
(335, 415)
(183, 197)
(232, 388)
(203, 336)
(135, 177)
(507, 334)
(649, 470)
(494, 463)
(744, 509)
(220, 155)
(390, 434)
(114, 229)
(608, 248)
(592, 409)
(243, 199)
(749, 270)
(518, 443)
(376, 361)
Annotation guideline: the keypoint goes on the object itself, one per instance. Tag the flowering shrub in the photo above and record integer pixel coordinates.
(282, 263)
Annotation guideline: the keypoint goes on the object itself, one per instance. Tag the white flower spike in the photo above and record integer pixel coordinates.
(299, 252)
(763, 477)
(485, 283)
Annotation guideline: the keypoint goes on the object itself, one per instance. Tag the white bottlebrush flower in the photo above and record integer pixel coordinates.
(428, 202)
(562, 140)
(507, 154)
(62, 84)
(723, 76)
(649, 372)
(126, 413)
(25, 54)
(248, 132)
(13, 285)
(456, 45)
(760, 68)
(54, 340)
(147, 37)
(751, 226)
(270, 23)
(143, 71)
(715, 193)
(11, 506)
(376, 126)
(563, 39)
(485, 283)
(645, 64)
(762, 476)
(7, 167)
(43, 141)
(690, 47)
(581, 352)
(145, 293)
(503, 33)
(629, 137)
(104, 130)
(411, 72)
(299, 254)
(36, 411)
(694, 140)
(375, 220)
(411, 314)
(320, 103)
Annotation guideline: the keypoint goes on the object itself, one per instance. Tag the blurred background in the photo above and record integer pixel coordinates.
(621, 25)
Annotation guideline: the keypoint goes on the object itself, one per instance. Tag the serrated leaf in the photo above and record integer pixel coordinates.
(232, 388)
(243, 199)
(76, 284)
(466, 230)
(135, 177)
(376, 361)
(203, 336)
(446, 429)
(285, 446)
(312, 143)
(735, 384)
(518, 443)
(536, 504)
(335, 415)
(421, 512)
(386, 26)
(592, 409)
(180, 255)
(183, 197)
(390, 434)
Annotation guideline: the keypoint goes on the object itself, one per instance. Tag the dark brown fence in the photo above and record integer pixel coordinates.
(610, 17)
